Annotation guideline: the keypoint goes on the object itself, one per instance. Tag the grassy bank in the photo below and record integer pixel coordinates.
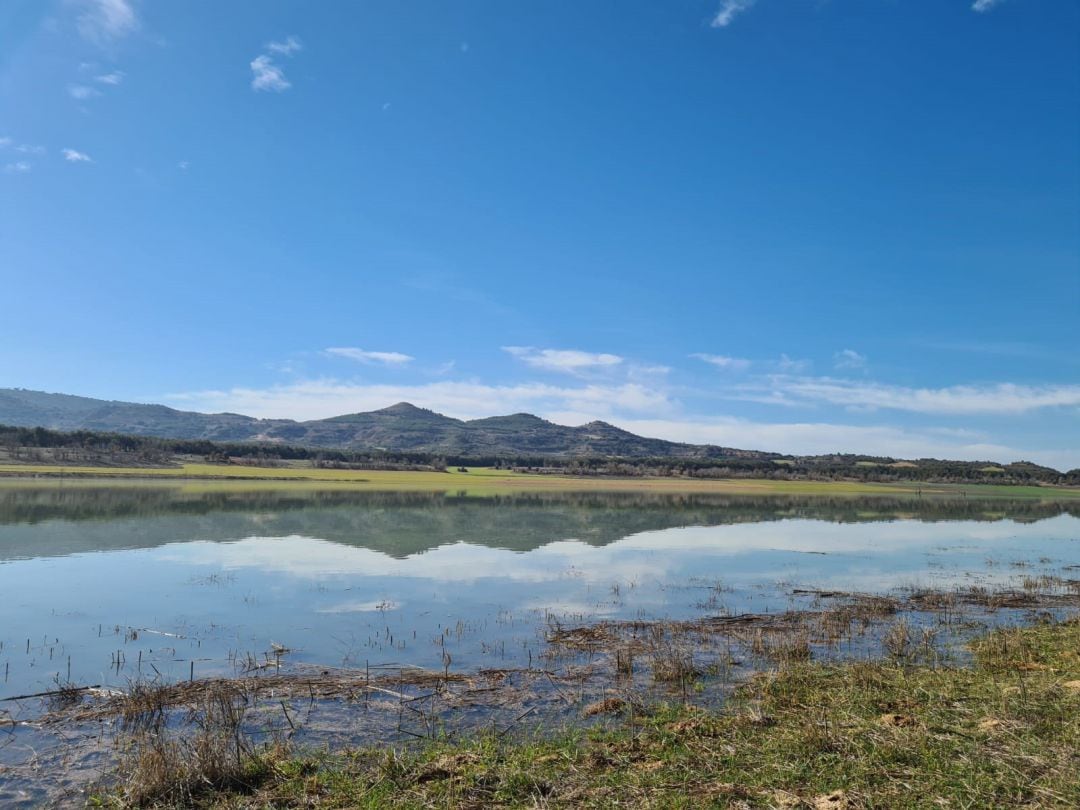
(480, 480)
(1003, 733)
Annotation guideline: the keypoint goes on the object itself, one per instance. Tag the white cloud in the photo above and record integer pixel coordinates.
(114, 78)
(566, 361)
(30, 149)
(790, 366)
(1000, 398)
(287, 48)
(82, 91)
(74, 156)
(985, 5)
(640, 372)
(103, 21)
(18, 167)
(6, 142)
(849, 358)
(318, 399)
(723, 361)
(267, 76)
(815, 438)
(364, 356)
(183, 165)
(728, 11)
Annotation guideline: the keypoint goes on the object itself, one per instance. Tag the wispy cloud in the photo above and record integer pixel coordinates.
(18, 167)
(723, 361)
(728, 11)
(287, 48)
(74, 156)
(113, 78)
(267, 75)
(9, 143)
(364, 356)
(985, 5)
(816, 438)
(1001, 398)
(790, 365)
(104, 21)
(81, 92)
(566, 361)
(849, 359)
(317, 399)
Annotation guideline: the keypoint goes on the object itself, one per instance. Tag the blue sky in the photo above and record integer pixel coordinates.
(794, 225)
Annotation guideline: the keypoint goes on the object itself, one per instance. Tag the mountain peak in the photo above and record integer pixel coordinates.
(402, 411)
(403, 408)
(520, 419)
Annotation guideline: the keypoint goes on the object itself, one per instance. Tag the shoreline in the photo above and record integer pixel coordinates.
(481, 481)
(761, 680)
(836, 736)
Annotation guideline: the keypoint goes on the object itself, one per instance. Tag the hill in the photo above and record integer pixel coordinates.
(398, 428)
(403, 436)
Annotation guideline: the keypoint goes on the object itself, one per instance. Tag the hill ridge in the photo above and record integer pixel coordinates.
(402, 426)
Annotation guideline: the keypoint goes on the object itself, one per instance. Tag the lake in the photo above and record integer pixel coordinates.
(112, 584)
(117, 578)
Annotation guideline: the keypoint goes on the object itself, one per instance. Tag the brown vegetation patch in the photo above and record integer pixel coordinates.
(610, 705)
(897, 720)
(837, 800)
(146, 703)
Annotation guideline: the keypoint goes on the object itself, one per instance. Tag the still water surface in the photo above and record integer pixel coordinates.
(106, 585)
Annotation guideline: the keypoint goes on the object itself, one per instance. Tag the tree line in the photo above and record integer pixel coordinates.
(23, 444)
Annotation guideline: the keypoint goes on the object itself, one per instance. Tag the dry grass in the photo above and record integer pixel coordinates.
(167, 767)
(146, 705)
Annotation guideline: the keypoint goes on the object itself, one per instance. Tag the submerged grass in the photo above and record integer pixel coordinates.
(1003, 733)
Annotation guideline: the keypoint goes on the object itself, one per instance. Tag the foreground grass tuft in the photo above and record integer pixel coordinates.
(1003, 733)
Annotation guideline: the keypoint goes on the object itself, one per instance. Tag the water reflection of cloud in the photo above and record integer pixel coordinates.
(835, 538)
(459, 562)
(884, 548)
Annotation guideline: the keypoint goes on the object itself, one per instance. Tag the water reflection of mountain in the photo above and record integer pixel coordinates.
(50, 522)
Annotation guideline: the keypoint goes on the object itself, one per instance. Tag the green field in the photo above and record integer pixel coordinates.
(481, 480)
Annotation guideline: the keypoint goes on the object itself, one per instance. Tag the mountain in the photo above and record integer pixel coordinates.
(23, 408)
(401, 427)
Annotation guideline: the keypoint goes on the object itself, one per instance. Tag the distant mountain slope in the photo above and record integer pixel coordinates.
(24, 408)
(401, 427)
